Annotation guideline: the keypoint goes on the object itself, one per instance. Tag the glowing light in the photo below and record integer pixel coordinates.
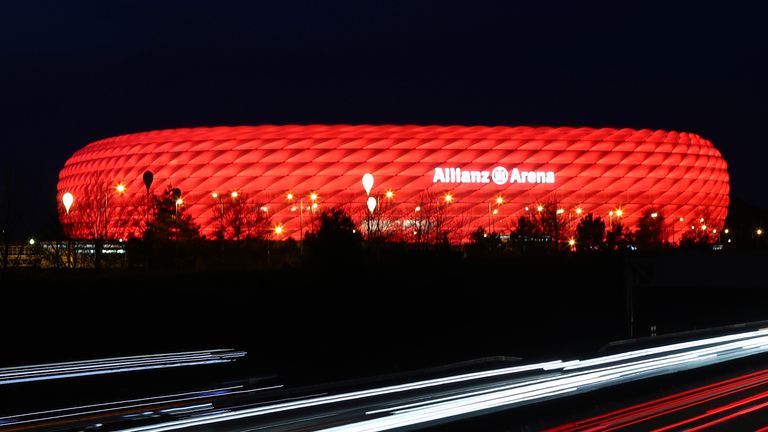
(610, 213)
(560, 211)
(234, 194)
(120, 188)
(367, 183)
(539, 208)
(579, 210)
(448, 198)
(32, 242)
(727, 231)
(390, 194)
(495, 211)
(759, 231)
(681, 219)
(418, 208)
(289, 196)
(313, 196)
(714, 230)
(526, 208)
(67, 199)
(265, 209)
(179, 201)
(701, 220)
(703, 227)
(279, 229)
(371, 203)
(571, 242)
(293, 208)
(214, 195)
(619, 212)
(314, 206)
(499, 200)
(654, 215)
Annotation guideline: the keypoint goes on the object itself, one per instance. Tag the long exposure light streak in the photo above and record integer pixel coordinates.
(114, 365)
(473, 394)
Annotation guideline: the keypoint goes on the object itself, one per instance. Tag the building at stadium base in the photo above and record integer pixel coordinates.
(493, 176)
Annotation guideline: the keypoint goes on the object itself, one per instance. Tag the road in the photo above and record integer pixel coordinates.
(672, 386)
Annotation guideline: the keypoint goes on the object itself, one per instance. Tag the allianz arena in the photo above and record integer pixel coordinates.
(494, 175)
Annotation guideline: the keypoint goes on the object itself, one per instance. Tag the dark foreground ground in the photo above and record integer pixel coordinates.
(330, 321)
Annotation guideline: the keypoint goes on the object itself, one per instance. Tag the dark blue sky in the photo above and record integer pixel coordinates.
(73, 72)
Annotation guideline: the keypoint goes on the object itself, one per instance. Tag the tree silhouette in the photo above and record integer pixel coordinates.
(483, 244)
(590, 233)
(527, 229)
(336, 236)
(618, 237)
(650, 230)
(695, 238)
(553, 222)
(169, 221)
(244, 219)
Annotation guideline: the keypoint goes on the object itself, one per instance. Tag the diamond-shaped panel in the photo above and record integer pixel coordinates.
(679, 174)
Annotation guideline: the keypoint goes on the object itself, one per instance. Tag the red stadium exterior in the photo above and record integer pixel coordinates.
(680, 175)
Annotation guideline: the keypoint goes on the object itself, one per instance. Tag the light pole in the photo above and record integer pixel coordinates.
(610, 219)
(148, 177)
(68, 199)
(216, 196)
(291, 197)
(120, 189)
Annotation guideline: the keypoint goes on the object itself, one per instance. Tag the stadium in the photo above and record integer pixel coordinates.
(473, 175)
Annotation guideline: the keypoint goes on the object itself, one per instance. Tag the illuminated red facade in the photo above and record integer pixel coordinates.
(680, 175)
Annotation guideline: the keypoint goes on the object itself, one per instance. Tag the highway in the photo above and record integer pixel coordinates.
(434, 400)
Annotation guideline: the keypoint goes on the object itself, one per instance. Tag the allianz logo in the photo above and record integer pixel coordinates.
(498, 175)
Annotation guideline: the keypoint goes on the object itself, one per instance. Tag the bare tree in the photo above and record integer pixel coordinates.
(553, 221)
(244, 219)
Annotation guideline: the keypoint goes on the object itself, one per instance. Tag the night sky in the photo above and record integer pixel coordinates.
(74, 72)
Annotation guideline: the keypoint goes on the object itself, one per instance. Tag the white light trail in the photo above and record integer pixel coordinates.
(510, 389)
(11, 375)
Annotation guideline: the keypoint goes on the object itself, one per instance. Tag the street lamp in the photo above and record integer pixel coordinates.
(290, 196)
(120, 189)
(579, 211)
(67, 199)
(179, 202)
(218, 197)
(448, 198)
